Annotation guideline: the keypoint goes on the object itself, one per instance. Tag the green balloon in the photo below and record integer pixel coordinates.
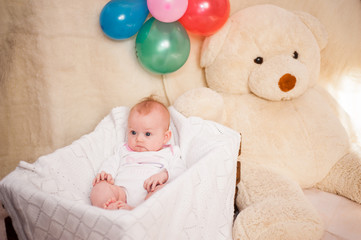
(162, 47)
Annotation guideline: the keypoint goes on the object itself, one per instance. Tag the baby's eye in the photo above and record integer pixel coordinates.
(147, 134)
(258, 60)
(133, 132)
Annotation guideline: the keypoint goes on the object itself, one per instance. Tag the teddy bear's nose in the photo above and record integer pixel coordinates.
(287, 82)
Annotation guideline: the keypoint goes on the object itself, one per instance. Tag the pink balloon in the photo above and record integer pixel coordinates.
(167, 10)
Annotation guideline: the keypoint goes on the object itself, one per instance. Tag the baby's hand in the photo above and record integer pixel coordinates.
(155, 180)
(103, 176)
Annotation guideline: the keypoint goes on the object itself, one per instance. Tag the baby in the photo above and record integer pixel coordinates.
(143, 164)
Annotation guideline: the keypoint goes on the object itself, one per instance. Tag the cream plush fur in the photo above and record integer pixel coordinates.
(291, 135)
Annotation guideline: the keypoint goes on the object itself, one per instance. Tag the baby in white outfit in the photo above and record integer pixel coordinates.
(141, 166)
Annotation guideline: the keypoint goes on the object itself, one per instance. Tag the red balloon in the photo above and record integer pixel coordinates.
(205, 17)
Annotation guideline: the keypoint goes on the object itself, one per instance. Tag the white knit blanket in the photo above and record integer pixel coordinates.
(50, 198)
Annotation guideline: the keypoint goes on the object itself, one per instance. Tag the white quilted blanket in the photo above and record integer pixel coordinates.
(50, 198)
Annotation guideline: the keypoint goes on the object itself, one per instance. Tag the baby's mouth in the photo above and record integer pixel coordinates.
(140, 148)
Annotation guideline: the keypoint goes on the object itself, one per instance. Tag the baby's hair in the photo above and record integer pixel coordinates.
(148, 104)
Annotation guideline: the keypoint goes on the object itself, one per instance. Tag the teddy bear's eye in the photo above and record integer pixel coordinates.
(295, 54)
(258, 60)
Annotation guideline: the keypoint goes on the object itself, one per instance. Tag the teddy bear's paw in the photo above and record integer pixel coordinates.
(201, 102)
(345, 177)
(277, 220)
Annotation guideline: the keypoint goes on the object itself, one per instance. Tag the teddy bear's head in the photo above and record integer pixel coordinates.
(265, 50)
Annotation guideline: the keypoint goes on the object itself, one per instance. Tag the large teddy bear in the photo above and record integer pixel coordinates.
(261, 69)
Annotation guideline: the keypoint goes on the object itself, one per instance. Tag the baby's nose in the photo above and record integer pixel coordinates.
(140, 137)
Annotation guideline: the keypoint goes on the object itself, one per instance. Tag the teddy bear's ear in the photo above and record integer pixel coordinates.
(316, 27)
(213, 44)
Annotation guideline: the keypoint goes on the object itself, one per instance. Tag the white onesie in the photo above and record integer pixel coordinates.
(130, 169)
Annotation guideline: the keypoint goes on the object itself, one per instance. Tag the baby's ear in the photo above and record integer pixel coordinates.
(167, 136)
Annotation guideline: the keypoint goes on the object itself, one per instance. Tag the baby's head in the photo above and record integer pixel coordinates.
(148, 126)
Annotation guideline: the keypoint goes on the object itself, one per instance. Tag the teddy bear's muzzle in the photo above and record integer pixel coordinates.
(287, 82)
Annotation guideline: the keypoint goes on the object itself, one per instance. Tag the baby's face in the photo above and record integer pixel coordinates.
(147, 132)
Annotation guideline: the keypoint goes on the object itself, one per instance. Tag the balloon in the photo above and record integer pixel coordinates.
(121, 19)
(167, 10)
(162, 47)
(205, 17)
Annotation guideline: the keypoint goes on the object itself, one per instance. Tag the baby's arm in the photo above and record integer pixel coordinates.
(155, 180)
(108, 169)
(103, 176)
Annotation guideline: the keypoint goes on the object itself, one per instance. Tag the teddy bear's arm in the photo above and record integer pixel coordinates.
(340, 113)
(201, 102)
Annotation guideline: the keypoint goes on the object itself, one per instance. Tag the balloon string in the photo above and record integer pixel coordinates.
(165, 89)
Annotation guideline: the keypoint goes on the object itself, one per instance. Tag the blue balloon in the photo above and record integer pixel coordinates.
(121, 19)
